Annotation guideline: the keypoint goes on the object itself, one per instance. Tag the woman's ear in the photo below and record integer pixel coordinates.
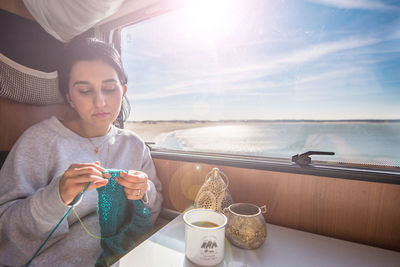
(70, 101)
(124, 89)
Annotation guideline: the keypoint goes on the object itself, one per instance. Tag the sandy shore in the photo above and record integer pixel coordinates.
(149, 131)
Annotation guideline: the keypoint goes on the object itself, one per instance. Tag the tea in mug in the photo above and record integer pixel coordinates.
(205, 224)
(204, 236)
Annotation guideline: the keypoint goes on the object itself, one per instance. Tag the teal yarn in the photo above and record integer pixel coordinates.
(58, 224)
(122, 221)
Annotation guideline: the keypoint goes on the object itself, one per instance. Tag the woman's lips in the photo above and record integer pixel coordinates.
(101, 114)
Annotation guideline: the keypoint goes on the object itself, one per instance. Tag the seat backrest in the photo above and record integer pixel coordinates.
(28, 77)
(16, 117)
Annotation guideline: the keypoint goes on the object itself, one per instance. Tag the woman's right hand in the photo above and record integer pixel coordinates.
(76, 177)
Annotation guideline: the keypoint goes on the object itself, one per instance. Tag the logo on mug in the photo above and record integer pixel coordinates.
(209, 246)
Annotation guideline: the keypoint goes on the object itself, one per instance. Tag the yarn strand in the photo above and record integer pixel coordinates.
(58, 224)
(84, 227)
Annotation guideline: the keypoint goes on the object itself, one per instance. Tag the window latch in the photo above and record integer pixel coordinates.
(305, 159)
(149, 145)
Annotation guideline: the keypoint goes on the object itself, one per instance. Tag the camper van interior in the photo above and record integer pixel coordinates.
(295, 103)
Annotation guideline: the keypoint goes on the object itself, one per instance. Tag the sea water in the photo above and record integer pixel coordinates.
(360, 142)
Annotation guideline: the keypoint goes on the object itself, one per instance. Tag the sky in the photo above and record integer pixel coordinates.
(266, 60)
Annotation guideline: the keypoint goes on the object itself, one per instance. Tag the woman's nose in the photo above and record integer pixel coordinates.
(100, 100)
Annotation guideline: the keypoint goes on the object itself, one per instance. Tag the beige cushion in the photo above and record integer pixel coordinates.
(26, 85)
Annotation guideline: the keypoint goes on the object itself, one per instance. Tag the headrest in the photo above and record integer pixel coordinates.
(26, 85)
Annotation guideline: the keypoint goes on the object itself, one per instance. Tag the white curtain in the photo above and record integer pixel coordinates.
(65, 19)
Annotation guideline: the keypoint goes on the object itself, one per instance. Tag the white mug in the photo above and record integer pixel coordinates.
(204, 236)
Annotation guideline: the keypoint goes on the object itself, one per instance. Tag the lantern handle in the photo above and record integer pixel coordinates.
(223, 175)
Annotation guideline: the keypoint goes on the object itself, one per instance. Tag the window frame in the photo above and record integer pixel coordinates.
(378, 174)
(316, 168)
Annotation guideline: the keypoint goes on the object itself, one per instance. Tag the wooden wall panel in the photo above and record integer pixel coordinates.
(16, 7)
(16, 117)
(357, 211)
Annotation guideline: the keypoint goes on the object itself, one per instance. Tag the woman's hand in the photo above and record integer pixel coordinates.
(77, 176)
(134, 183)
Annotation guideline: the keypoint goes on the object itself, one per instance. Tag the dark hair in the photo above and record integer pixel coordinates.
(91, 49)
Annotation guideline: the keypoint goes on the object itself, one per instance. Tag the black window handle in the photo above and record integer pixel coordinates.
(149, 145)
(305, 159)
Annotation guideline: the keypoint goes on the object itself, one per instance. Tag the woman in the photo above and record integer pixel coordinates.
(54, 160)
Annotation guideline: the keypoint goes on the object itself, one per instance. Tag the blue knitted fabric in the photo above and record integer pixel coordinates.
(122, 221)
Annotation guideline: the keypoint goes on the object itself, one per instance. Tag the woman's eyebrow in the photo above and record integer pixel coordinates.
(80, 82)
(109, 80)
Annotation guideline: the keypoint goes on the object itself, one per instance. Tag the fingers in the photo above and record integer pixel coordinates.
(76, 178)
(78, 175)
(134, 183)
(132, 179)
(85, 169)
(105, 175)
(98, 184)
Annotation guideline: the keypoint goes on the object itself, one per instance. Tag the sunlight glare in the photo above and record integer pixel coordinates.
(212, 20)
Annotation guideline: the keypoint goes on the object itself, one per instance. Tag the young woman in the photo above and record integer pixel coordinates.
(54, 160)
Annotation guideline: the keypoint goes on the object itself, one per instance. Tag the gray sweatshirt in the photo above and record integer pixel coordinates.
(30, 204)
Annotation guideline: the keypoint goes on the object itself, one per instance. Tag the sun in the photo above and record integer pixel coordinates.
(212, 20)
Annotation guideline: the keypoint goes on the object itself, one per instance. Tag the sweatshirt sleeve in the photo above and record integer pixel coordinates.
(153, 193)
(30, 205)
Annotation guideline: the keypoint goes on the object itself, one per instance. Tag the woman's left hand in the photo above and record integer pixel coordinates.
(134, 183)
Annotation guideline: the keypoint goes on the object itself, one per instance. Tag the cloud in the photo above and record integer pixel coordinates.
(374, 5)
(340, 82)
(306, 54)
(244, 77)
(259, 87)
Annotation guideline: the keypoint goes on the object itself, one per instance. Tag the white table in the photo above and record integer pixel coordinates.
(283, 247)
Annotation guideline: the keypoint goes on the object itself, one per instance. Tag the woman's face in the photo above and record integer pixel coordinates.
(96, 93)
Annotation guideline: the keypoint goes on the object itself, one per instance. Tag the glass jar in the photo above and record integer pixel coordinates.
(246, 226)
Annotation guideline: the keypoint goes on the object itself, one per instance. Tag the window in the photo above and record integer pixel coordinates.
(269, 78)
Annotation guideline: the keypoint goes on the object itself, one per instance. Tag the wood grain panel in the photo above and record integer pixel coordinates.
(357, 211)
(16, 117)
(16, 7)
